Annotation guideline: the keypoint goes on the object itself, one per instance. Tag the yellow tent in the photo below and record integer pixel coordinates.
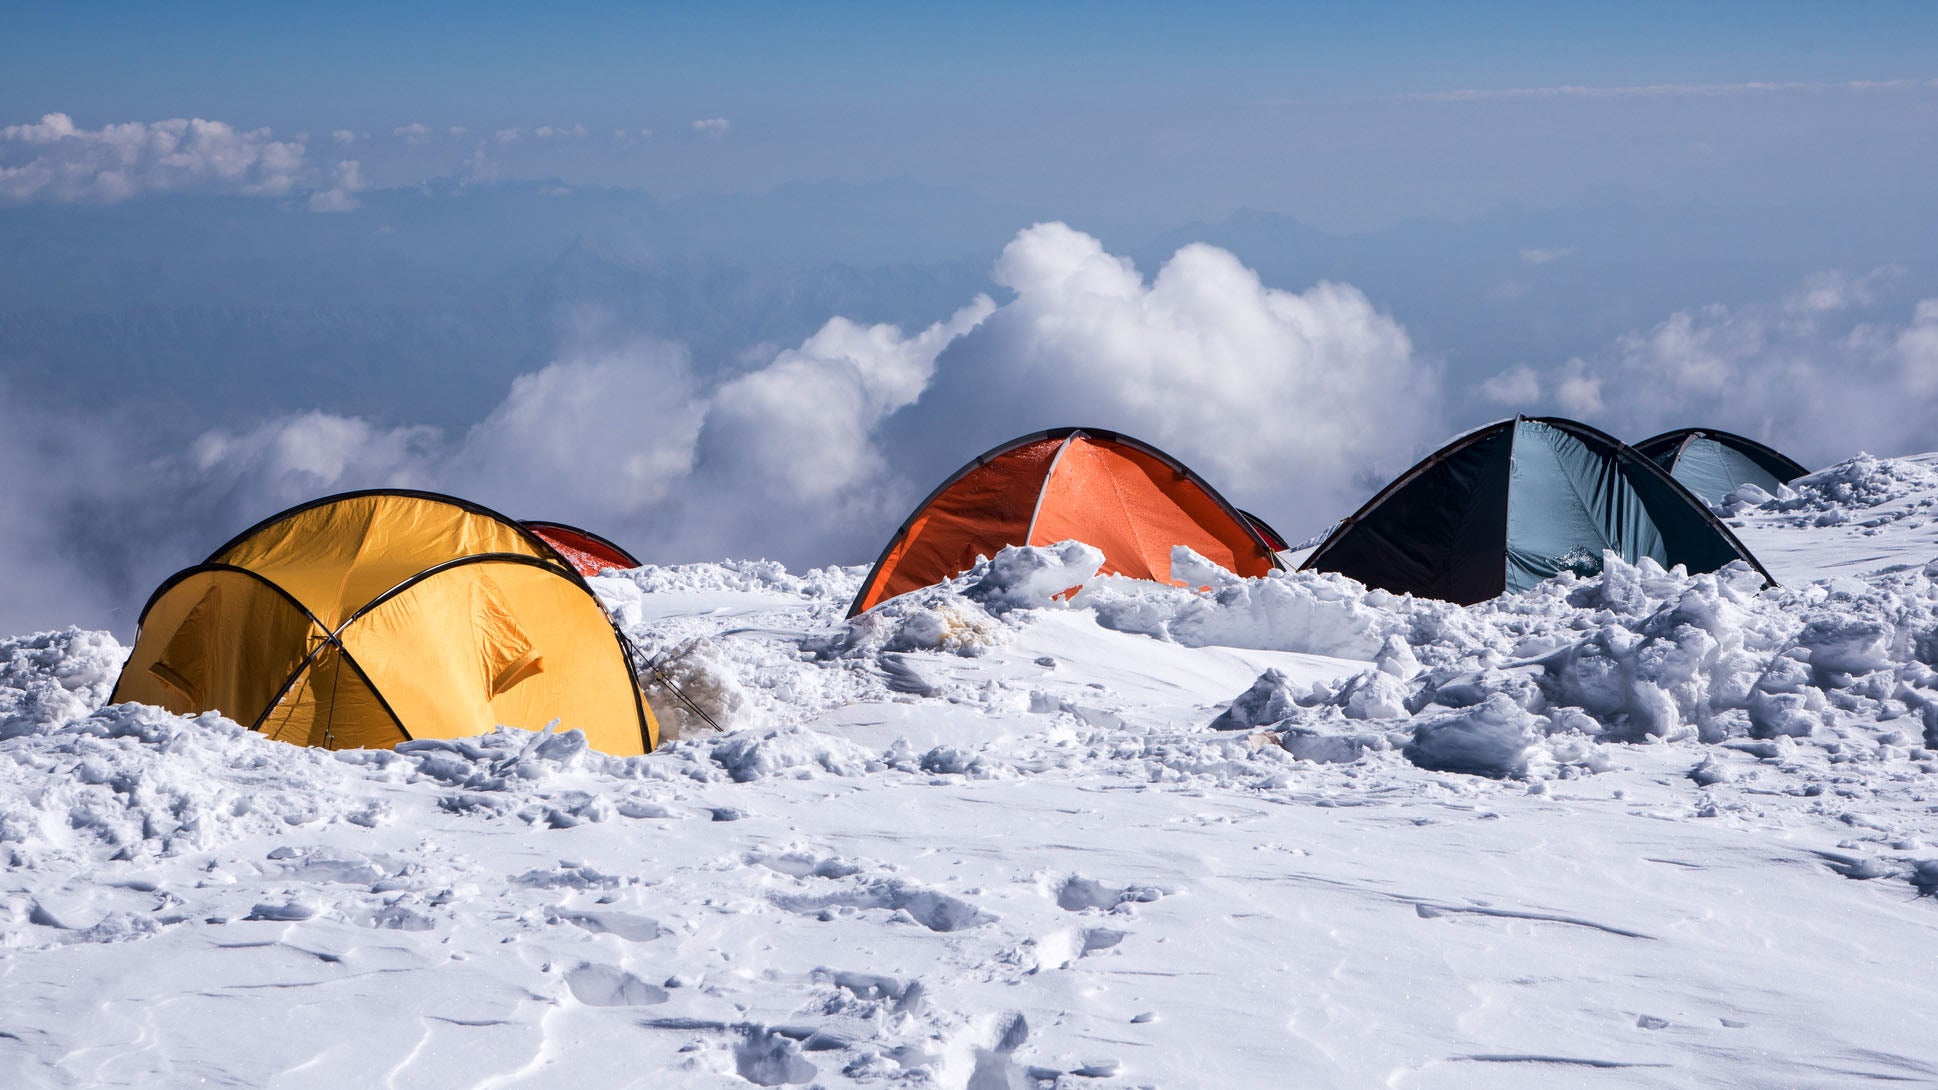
(371, 618)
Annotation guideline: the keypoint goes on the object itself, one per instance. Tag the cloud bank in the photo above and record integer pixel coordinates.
(1821, 372)
(1292, 402)
(1296, 404)
(55, 160)
(1278, 397)
(346, 179)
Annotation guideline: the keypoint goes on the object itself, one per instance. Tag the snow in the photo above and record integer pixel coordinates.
(1640, 829)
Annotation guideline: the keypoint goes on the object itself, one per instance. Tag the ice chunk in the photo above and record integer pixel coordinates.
(1270, 699)
(1490, 739)
(1029, 577)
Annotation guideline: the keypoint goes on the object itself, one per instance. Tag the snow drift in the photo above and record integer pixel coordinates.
(989, 835)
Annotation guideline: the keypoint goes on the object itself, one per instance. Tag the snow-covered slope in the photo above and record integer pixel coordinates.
(1637, 830)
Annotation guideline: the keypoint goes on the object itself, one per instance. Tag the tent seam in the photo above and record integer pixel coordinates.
(1036, 511)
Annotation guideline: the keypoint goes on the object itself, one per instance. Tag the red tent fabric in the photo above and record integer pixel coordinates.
(583, 549)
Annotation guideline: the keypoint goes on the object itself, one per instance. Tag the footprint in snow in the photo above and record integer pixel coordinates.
(290, 911)
(313, 866)
(1077, 893)
(766, 1058)
(626, 925)
(803, 864)
(902, 676)
(75, 922)
(636, 807)
(569, 876)
(996, 1066)
(895, 994)
(609, 986)
(1100, 938)
(1064, 949)
(763, 1055)
(933, 910)
(399, 917)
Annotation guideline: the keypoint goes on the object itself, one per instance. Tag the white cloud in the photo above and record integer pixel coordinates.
(286, 461)
(802, 428)
(1294, 403)
(1515, 387)
(55, 160)
(344, 136)
(414, 133)
(65, 480)
(1915, 351)
(1293, 400)
(46, 461)
(712, 128)
(507, 136)
(560, 132)
(1578, 390)
(601, 437)
(1816, 373)
(1543, 256)
(346, 181)
(479, 165)
(626, 440)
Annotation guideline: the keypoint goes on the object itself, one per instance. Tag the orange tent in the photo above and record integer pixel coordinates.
(1110, 491)
(588, 553)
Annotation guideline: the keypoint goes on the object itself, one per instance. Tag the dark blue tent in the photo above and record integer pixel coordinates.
(1712, 464)
(1504, 507)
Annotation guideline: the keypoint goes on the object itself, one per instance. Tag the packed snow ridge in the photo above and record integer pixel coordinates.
(997, 834)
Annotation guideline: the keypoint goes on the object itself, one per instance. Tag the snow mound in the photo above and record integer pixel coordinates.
(1270, 699)
(1026, 577)
(1637, 654)
(51, 677)
(971, 613)
(133, 782)
(1853, 488)
(1311, 612)
(967, 615)
(1492, 738)
(977, 838)
(833, 582)
(753, 755)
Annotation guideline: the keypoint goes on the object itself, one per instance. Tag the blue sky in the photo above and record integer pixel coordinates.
(281, 60)
(1131, 111)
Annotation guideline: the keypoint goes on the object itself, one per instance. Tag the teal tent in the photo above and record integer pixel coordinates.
(1712, 464)
(1508, 505)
